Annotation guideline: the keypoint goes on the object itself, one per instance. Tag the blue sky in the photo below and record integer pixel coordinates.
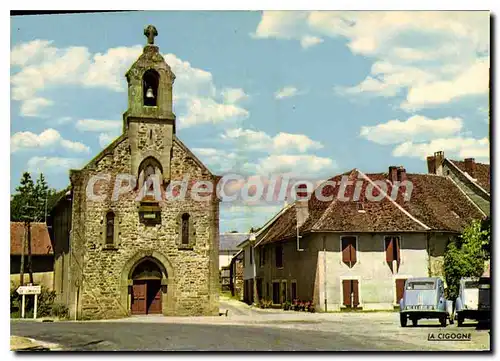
(302, 93)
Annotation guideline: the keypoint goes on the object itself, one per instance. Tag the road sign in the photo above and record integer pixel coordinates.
(29, 290)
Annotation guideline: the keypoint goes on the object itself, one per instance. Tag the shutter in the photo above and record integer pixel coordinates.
(355, 290)
(353, 251)
(388, 250)
(346, 287)
(346, 254)
(397, 244)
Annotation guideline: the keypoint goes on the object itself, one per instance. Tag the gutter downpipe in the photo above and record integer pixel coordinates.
(324, 273)
(254, 269)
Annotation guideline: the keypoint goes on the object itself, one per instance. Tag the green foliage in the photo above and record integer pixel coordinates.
(60, 310)
(465, 255)
(31, 198)
(44, 307)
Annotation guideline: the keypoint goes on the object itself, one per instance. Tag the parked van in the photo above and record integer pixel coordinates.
(423, 297)
(466, 305)
(484, 301)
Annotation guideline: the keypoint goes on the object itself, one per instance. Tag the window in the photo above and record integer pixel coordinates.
(262, 256)
(185, 229)
(349, 251)
(392, 253)
(424, 285)
(294, 290)
(278, 250)
(267, 290)
(110, 228)
(251, 255)
(276, 293)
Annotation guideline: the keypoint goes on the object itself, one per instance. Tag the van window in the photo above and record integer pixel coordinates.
(471, 284)
(424, 285)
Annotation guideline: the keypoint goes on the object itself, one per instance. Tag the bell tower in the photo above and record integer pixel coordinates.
(149, 120)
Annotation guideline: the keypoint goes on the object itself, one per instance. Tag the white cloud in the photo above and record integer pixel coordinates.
(472, 81)
(53, 164)
(107, 70)
(415, 128)
(222, 161)
(308, 41)
(301, 142)
(42, 66)
(436, 56)
(456, 146)
(286, 92)
(39, 65)
(32, 107)
(208, 111)
(304, 165)
(233, 95)
(94, 125)
(49, 138)
(280, 143)
(106, 138)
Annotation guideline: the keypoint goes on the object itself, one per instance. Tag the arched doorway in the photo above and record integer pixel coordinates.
(147, 288)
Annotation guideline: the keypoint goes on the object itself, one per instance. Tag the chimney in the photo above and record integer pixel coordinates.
(401, 174)
(470, 166)
(438, 161)
(302, 204)
(431, 164)
(393, 173)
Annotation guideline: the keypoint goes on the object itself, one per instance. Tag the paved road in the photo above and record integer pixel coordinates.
(252, 329)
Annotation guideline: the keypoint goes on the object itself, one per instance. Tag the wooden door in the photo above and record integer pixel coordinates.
(350, 291)
(400, 288)
(139, 298)
(154, 296)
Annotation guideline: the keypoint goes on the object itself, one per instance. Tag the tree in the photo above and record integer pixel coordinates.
(38, 195)
(465, 255)
(28, 205)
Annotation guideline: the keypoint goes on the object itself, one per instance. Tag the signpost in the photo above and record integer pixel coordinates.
(29, 290)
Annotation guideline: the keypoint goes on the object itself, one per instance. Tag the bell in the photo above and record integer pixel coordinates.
(149, 93)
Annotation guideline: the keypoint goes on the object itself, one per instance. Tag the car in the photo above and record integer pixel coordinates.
(423, 297)
(466, 305)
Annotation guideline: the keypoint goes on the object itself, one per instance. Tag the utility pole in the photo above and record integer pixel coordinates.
(23, 246)
(27, 221)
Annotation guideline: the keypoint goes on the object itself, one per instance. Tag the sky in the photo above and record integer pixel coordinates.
(309, 93)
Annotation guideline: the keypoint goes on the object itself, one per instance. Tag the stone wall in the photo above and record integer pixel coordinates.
(98, 271)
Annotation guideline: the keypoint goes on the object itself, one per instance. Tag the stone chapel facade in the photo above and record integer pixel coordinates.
(124, 256)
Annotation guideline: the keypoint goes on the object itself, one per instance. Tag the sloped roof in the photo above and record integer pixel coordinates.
(230, 241)
(435, 204)
(482, 173)
(40, 239)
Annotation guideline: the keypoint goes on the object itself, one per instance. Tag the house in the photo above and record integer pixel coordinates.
(228, 246)
(140, 251)
(354, 241)
(42, 254)
(236, 275)
(227, 249)
(247, 258)
(471, 177)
